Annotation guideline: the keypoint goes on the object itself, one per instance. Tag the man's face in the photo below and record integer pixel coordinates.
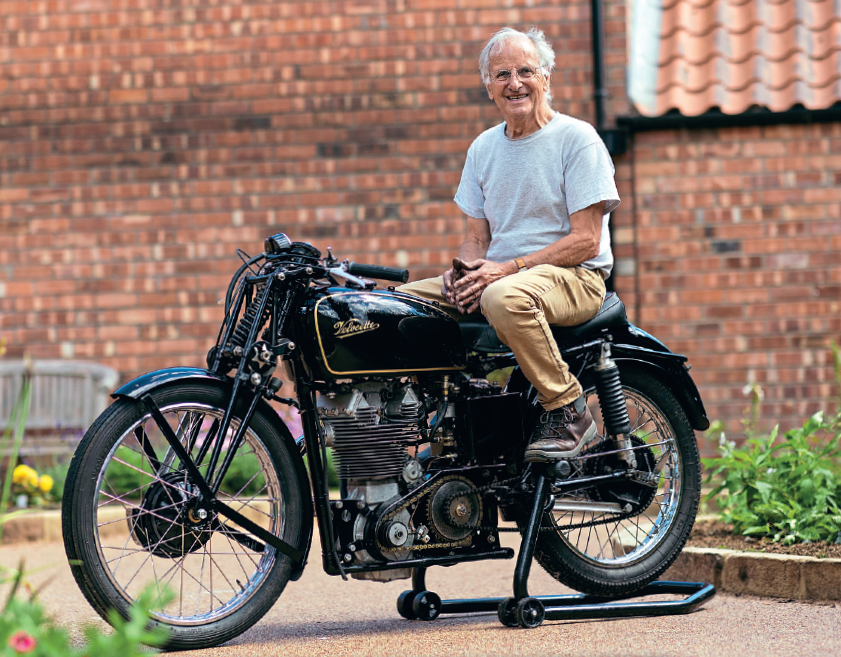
(517, 85)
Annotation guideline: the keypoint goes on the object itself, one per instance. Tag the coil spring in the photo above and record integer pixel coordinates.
(245, 325)
(612, 401)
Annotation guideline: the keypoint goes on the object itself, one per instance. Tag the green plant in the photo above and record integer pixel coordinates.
(13, 435)
(24, 627)
(34, 488)
(240, 477)
(127, 473)
(788, 489)
(332, 477)
(58, 473)
(836, 367)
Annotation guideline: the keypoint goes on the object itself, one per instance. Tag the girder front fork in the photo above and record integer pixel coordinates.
(617, 424)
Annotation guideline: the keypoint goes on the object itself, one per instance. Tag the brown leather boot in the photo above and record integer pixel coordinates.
(561, 433)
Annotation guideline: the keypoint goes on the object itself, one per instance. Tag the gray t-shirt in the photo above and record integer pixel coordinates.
(527, 188)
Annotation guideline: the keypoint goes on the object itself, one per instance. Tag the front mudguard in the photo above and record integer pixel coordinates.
(151, 381)
(136, 388)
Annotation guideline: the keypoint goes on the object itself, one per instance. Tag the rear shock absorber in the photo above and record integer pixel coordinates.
(617, 424)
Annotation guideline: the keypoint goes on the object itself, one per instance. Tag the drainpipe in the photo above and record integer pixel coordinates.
(616, 140)
(599, 91)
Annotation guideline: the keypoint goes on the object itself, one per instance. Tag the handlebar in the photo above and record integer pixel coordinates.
(375, 271)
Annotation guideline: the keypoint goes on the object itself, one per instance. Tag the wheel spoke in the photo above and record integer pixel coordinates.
(157, 540)
(605, 538)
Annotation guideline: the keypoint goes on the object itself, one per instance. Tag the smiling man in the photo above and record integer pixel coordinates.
(537, 191)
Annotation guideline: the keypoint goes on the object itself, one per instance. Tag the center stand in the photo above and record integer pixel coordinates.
(524, 610)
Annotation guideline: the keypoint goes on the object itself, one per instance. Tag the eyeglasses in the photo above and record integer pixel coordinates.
(523, 73)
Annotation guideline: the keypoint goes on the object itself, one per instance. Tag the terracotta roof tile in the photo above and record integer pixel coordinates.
(735, 54)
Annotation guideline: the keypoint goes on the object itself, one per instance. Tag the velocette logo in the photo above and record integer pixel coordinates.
(349, 327)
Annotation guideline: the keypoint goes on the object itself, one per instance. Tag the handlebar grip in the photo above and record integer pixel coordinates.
(375, 271)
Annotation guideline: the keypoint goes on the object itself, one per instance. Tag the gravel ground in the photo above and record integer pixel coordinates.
(321, 615)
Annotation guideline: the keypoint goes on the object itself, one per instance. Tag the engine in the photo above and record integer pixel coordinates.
(390, 510)
(369, 427)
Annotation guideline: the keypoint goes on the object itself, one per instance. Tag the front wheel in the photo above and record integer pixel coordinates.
(132, 521)
(613, 539)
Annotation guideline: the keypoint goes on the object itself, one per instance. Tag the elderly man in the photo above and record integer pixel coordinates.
(537, 190)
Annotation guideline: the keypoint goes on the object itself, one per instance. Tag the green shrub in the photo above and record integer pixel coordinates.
(58, 472)
(124, 475)
(241, 473)
(124, 472)
(789, 489)
(24, 627)
(332, 476)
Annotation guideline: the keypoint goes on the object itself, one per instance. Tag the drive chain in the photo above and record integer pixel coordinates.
(428, 491)
(481, 490)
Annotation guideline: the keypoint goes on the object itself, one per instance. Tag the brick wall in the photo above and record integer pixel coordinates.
(142, 141)
(738, 233)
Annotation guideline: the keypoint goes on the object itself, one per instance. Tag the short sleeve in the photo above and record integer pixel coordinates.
(588, 179)
(470, 197)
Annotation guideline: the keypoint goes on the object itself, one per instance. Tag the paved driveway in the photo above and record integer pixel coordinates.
(321, 615)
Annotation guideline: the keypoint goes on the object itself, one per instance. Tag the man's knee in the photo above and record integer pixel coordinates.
(428, 288)
(501, 298)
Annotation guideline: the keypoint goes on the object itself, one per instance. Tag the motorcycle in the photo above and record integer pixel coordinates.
(191, 481)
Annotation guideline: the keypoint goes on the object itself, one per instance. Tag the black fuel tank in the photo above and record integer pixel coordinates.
(373, 332)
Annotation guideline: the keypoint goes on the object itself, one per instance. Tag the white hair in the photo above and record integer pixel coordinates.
(545, 54)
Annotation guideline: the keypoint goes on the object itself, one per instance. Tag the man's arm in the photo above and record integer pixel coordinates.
(580, 245)
(477, 241)
(475, 247)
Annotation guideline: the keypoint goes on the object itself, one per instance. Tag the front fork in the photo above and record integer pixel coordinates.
(617, 424)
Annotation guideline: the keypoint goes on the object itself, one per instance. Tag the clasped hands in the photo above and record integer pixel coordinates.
(465, 282)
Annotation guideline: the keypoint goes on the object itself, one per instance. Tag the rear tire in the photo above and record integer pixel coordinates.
(621, 556)
(127, 524)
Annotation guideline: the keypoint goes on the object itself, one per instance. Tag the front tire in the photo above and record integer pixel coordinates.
(129, 525)
(610, 555)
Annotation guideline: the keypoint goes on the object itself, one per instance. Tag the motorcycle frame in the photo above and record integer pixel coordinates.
(286, 290)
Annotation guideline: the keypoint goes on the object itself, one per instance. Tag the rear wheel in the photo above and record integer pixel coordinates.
(613, 539)
(132, 518)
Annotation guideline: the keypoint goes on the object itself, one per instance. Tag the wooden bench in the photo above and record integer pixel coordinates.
(67, 396)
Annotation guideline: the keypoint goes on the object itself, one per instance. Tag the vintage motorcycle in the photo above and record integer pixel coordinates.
(191, 481)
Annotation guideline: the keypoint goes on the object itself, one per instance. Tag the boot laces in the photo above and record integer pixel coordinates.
(554, 420)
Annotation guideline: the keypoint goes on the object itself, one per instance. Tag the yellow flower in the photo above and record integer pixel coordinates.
(32, 478)
(45, 483)
(18, 474)
(23, 474)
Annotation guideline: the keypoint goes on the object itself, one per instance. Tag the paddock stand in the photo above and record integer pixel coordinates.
(526, 611)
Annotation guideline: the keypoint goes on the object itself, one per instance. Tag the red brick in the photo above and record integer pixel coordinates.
(115, 189)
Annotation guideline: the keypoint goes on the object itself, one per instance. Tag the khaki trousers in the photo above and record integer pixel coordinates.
(521, 308)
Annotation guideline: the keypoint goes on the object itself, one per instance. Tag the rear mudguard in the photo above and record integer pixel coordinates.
(145, 383)
(631, 347)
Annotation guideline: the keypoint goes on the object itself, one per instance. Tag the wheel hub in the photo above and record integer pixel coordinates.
(170, 522)
(638, 495)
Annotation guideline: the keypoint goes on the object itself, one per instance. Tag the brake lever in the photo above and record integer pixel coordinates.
(364, 283)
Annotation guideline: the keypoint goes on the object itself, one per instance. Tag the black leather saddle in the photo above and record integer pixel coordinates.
(480, 336)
